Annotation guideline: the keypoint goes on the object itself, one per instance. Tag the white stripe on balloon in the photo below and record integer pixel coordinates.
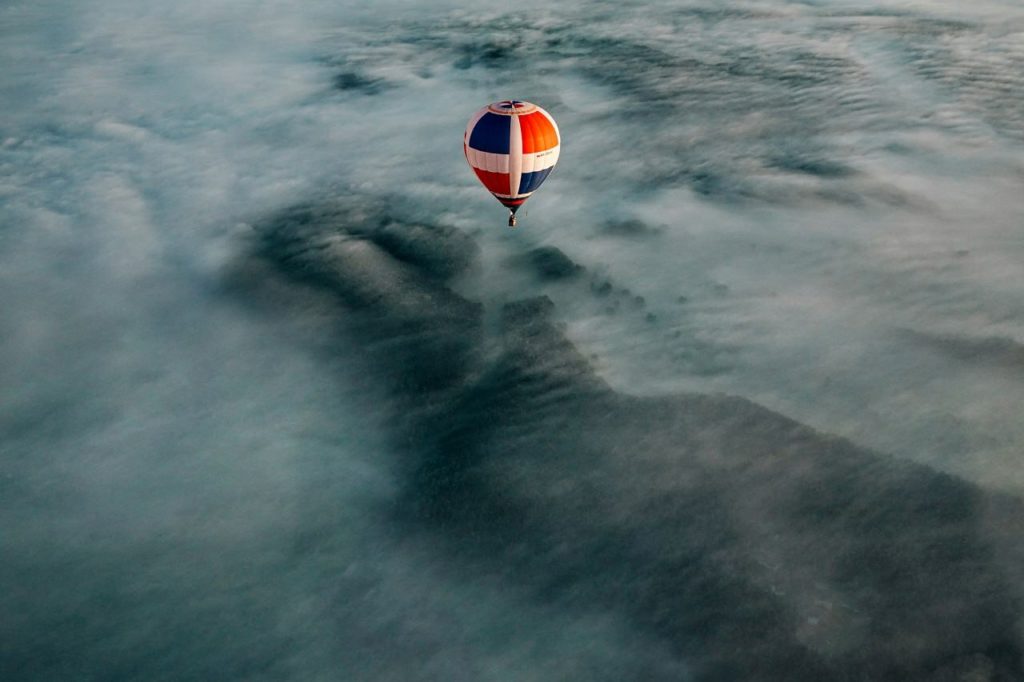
(515, 156)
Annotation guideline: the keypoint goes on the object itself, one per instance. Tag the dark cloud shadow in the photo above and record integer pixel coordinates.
(752, 547)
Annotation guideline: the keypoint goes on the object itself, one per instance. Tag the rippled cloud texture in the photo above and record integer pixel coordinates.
(281, 398)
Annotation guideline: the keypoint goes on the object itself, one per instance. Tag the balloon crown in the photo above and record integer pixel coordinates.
(512, 106)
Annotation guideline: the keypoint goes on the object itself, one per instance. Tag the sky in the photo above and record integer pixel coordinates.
(283, 398)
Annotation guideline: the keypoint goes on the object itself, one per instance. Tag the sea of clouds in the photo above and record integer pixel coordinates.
(269, 408)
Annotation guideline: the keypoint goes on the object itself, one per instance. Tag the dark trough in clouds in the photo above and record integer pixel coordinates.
(746, 545)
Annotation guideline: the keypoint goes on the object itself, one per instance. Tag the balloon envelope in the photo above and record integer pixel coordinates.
(512, 147)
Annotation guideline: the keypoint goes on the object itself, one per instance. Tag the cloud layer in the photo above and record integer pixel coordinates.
(283, 399)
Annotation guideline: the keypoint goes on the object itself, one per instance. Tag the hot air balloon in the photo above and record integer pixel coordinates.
(512, 146)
